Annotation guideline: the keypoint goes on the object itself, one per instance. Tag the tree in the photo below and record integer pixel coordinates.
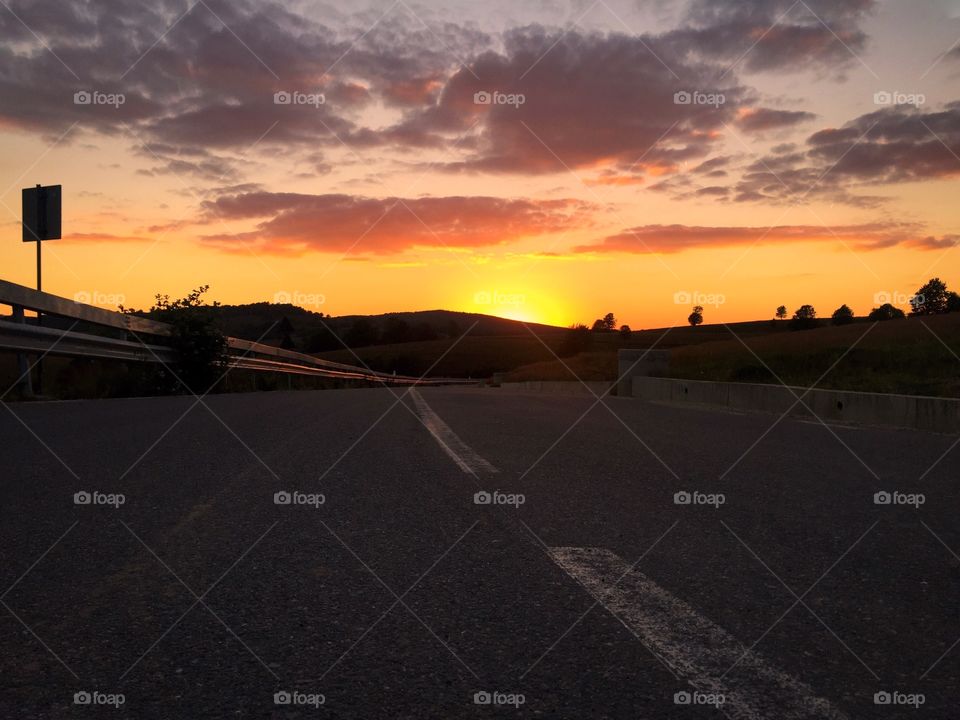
(625, 332)
(804, 318)
(286, 332)
(608, 323)
(931, 299)
(885, 312)
(696, 317)
(782, 312)
(843, 315)
(953, 302)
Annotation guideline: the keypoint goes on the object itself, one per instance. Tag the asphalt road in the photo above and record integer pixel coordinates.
(384, 590)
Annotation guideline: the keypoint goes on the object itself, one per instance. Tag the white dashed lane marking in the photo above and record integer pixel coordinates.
(697, 650)
(462, 454)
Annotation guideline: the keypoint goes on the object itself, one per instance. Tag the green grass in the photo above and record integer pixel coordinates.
(917, 356)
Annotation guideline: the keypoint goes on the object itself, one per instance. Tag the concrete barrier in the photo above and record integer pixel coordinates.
(838, 406)
(563, 387)
(639, 363)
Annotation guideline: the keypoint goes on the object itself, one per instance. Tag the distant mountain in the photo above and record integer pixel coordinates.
(307, 331)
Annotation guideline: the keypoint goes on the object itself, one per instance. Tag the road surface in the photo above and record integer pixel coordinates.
(471, 553)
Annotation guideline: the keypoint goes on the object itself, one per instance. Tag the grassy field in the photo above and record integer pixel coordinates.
(916, 356)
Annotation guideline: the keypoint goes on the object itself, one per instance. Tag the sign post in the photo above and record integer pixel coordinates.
(41, 208)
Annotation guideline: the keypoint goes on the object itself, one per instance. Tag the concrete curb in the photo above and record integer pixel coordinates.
(560, 387)
(840, 406)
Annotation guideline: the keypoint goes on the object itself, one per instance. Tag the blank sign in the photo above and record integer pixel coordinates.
(41, 213)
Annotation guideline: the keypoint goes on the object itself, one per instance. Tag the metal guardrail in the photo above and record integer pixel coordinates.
(20, 337)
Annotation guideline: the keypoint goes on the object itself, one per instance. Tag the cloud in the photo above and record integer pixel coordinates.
(586, 100)
(202, 76)
(291, 223)
(647, 239)
(783, 35)
(762, 119)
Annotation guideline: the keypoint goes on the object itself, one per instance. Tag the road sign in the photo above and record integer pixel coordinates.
(41, 213)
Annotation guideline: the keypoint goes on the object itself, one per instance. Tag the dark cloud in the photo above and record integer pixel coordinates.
(677, 238)
(204, 75)
(291, 223)
(588, 100)
(762, 119)
(763, 35)
(893, 145)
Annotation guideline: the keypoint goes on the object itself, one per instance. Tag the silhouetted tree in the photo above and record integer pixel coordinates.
(931, 299)
(608, 323)
(804, 318)
(286, 333)
(885, 312)
(953, 302)
(843, 315)
(696, 317)
(625, 332)
(782, 312)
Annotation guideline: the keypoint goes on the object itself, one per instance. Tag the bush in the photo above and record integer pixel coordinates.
(200, 346)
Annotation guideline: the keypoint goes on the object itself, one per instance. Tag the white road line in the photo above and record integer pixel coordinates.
(462, 454)
(698, 650)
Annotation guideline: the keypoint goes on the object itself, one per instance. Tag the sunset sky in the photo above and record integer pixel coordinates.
(817, 160)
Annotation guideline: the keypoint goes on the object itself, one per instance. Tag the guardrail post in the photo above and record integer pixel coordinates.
(24, 383)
